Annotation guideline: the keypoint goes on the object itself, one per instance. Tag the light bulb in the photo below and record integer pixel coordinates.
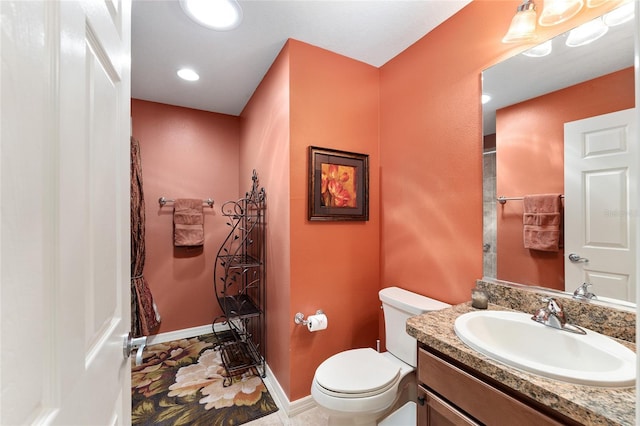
(221, 15)
(523, 24)
(557, 11)
(540, 50)
(188, 74)
(620, 15)
(587, 33)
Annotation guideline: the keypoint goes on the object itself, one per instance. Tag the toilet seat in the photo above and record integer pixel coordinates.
(357, 373)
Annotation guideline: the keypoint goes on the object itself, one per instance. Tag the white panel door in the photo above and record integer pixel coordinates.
(601, 162)
(64, 228)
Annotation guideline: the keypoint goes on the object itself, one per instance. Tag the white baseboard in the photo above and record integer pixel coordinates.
(186, 333)
(290, 408)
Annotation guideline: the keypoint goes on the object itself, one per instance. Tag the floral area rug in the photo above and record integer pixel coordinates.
(181, 383)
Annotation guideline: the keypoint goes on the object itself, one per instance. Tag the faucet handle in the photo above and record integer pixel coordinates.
(553, 305)
(583, 292)
(553, 316)
(541, 315)
(555, 308)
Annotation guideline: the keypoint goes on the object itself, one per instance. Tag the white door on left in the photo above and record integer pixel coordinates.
(64, 217)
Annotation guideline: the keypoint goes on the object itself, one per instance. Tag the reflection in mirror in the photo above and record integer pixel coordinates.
(532, 97)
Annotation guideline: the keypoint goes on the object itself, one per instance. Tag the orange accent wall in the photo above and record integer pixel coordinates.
(431, 149)
(333, 265)
(431, 167)
(530, 160)
(265, 147)
(186, 153)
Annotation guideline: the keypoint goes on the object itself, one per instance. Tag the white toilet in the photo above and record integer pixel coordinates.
(362, 386)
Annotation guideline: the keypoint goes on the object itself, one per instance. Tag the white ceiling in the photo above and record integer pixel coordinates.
(231, 64)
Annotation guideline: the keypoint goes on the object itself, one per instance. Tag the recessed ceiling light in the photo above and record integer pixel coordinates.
(485, 98)
(540, 50)
(587, 33)
(188, 74)
(221, 15)
(620, 15)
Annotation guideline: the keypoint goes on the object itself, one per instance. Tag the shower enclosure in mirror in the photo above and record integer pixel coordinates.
(532, 97)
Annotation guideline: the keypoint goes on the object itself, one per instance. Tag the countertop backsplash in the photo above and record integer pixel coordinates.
(600, 317)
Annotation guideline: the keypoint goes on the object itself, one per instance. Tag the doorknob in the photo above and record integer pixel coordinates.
(132, 343)
(575, 258)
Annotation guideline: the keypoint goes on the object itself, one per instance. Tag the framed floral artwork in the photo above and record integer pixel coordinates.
(338, 185)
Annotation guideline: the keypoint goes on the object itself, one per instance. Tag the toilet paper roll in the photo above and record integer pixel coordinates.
(317, 322)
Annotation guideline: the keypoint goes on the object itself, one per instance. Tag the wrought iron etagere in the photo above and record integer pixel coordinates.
(239, 282)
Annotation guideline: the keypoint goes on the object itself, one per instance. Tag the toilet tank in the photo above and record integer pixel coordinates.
(398, 305)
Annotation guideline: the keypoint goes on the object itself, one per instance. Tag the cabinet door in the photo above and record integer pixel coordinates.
(485, 403)
(434, 411)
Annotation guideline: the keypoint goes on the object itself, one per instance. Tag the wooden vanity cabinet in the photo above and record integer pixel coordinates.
(449, 395)
(435, 411)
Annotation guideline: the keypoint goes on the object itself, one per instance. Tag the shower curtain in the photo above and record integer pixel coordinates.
(144, 313)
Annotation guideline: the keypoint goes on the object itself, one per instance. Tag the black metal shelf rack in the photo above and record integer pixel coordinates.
(239, 283)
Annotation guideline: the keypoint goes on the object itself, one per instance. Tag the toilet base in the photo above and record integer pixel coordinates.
(404, 416)
(352, 421)
(407, 391)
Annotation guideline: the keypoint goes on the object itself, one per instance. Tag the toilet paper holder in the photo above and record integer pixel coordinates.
(299, 318)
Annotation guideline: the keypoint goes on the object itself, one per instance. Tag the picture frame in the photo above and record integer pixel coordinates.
(338, 185)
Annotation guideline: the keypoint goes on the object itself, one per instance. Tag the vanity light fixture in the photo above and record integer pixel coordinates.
(523, 24)
(596, 3)
(220, 15)
(543, 49)
(587, 33)
(188, 74)
(557, 11)
(620, 15)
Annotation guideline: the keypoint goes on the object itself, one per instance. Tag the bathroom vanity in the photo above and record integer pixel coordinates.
(448, 392)
(459, 386)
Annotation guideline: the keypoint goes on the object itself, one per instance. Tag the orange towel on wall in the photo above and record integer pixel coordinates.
(188, 223)
(542, 220)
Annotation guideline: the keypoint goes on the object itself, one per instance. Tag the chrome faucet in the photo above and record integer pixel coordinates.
(583, 292)
(552, 315)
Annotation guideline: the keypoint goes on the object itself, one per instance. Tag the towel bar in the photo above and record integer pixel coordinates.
(503, 200)
(162, 201)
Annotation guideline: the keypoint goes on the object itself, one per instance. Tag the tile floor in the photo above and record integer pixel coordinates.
(311, 417)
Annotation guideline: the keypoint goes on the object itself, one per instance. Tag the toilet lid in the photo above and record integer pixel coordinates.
(357, 371)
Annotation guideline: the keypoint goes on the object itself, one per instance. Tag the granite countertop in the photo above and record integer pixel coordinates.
(586, 404)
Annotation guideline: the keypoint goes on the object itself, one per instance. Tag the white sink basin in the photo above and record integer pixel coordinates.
(516, 340)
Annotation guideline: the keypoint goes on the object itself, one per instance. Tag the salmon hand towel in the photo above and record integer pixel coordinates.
(188, 223)
(542, 220)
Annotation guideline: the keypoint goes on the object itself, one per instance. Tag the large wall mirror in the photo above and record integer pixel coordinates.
(529, 149)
